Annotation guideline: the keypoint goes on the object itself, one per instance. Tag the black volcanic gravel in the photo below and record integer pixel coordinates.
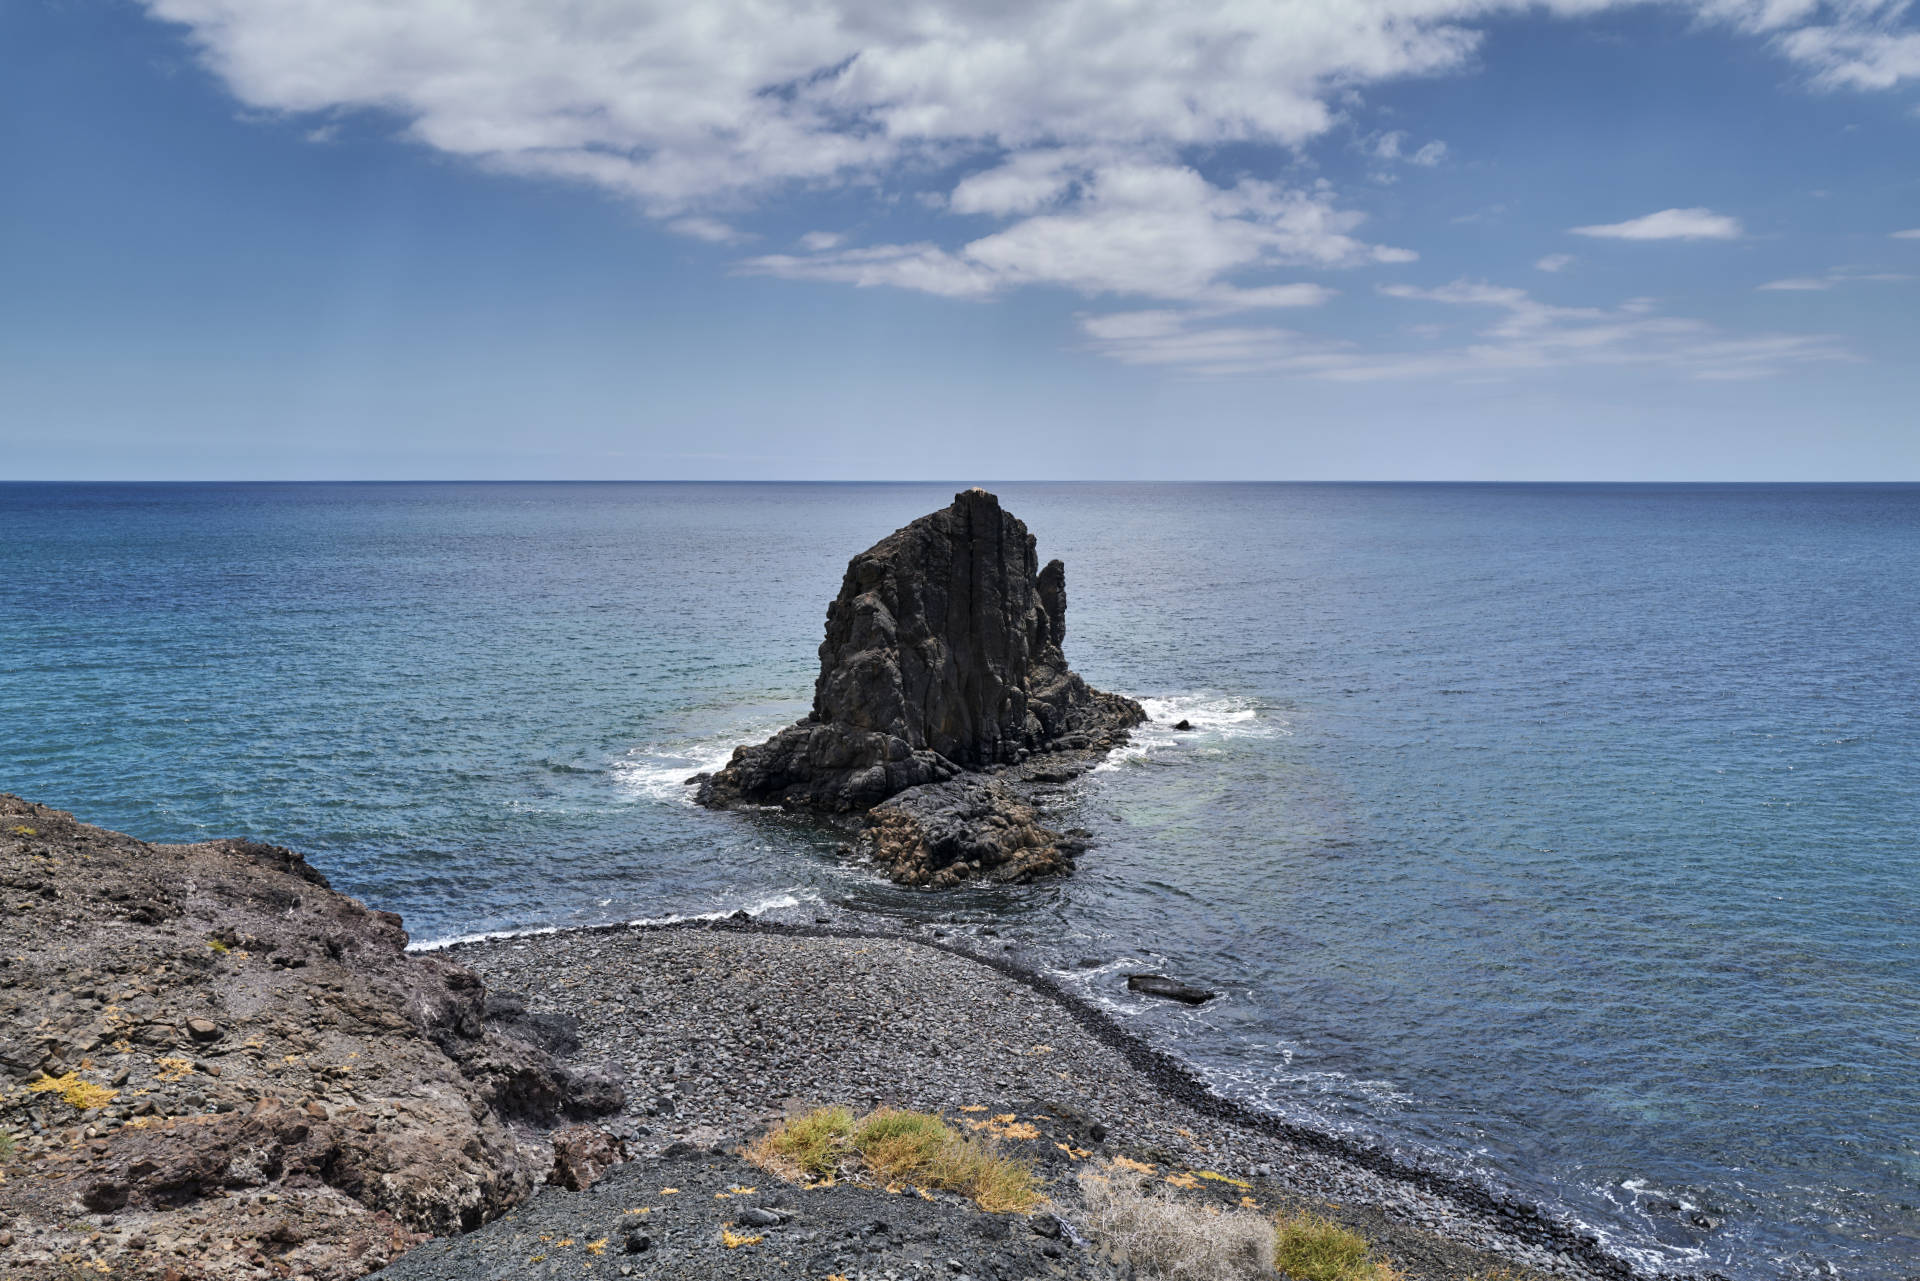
(721, 1028)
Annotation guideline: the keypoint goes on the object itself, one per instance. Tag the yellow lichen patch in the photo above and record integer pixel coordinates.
(74, 1092)
(722, 1196)
(1249, 1203)
(1138, 1167)
(643, 1209)
(597, 1247)
(974, 1107)
(1183, 1181)
(24, 831)
(537, 1258)
(1041, 1049)
(669, 1191)
(217, 946)
(734, 1240)
(1225, 1178)
(173, 1069)
(737, 1190)
(564, 1241)
(1078, 1154)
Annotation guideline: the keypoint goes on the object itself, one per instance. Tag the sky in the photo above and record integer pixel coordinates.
(927, 239)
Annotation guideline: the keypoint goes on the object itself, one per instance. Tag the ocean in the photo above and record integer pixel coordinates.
(1561, 835)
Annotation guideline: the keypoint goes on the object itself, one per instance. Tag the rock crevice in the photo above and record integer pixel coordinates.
(942, 659)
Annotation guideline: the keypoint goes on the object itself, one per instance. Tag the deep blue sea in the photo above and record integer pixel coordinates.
(1563, 834)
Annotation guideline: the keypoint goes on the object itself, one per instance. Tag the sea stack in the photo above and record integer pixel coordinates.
(942, 667)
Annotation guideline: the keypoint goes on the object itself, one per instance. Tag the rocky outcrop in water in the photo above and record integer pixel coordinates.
(942, 659)
(212, 1065)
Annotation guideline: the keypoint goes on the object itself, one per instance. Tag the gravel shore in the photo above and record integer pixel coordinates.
(720, 1028)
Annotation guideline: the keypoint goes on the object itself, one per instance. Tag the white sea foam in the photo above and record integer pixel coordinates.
(659, 771)
(778, 902)
(792, 898)
(1216, 719)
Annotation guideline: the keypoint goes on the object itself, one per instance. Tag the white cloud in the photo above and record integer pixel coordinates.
(1838, 276)
(1526, 337)
(1912, 233)
(1392, 146)
(1668, 224)
(1554, 262)
(1148, 230)
(711, 230)
(1082, 130)
(1854, 57)
(926, 267)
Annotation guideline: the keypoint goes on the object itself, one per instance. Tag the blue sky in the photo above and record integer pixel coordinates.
(1313, 239)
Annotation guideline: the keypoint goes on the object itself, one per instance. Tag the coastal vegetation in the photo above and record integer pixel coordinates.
(894, 1147)
(1163, 1235)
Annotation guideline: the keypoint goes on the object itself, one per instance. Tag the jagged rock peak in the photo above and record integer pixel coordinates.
(942, 654)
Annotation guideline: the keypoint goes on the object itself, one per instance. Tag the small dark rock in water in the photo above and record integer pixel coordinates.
(1173, 989)
(1183, 724)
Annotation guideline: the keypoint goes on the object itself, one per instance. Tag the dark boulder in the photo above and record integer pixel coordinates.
(974, 826)
(1172, 989)
(942, 655)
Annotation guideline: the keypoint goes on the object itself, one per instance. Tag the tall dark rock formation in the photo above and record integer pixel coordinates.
(942, 657)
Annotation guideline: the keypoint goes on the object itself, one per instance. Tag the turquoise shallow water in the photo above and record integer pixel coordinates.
(1564, 834)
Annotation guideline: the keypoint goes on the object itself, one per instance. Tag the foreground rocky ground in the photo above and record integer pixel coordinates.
(212, 1065)
(723, 1028)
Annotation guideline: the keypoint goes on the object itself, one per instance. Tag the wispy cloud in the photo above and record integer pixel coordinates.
(711, 230)
(1838, 276)
(1156, 231)
(1911, 233)
(1855, 56)
(1668, 224)
(1392, 146)
(1554, 262)
(1526, 338)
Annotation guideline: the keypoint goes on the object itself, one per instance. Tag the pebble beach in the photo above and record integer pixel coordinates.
(722, 1028)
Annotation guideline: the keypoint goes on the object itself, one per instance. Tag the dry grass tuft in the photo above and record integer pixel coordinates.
(1164, 1236)
(893, 1148)
(806, 1148)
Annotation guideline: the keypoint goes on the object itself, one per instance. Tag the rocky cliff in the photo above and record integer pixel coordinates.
(942, 658)
(214, 1066)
